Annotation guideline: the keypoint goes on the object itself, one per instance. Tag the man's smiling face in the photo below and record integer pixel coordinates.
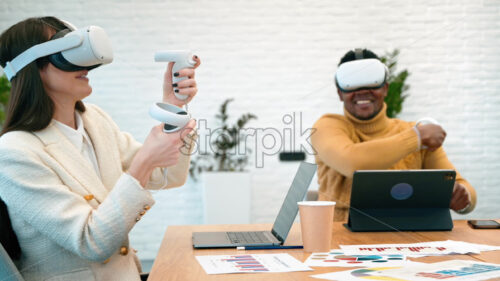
(366, 103)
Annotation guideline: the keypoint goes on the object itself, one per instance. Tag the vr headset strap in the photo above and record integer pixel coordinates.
(41, 50)
(358, 54)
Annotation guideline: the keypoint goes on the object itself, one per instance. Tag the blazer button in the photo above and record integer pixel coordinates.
(123, 251)
(147, 207)
(141, 213)
(137, 219)
(89, 197)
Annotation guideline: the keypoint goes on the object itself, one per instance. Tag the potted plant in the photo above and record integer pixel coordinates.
(226, 183)
(397, 87)
(4, 97)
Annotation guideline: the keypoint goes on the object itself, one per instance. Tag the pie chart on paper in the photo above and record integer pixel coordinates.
(363, 259)
(339, 259)
(369, 273)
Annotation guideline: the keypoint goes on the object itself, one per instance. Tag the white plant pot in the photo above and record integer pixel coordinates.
(227, 197)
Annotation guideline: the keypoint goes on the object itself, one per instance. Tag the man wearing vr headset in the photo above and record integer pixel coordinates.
(73, 183)
(364, 138)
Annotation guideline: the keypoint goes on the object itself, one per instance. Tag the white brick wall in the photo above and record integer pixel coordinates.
(278, 57)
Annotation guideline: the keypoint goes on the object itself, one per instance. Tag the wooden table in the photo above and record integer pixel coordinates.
(176, 258)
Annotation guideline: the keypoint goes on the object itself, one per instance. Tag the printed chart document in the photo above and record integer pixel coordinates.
(250, 263)
(370, 273)
(418, 249)
(339, 259)
(413, 271)
(448, 270)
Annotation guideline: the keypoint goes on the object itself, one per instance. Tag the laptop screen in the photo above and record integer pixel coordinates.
(296, 193)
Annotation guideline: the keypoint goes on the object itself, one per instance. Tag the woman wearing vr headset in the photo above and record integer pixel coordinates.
(73, 183)
(364, 138)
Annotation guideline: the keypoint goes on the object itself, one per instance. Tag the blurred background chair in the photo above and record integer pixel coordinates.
(8, 271)
(9, 247)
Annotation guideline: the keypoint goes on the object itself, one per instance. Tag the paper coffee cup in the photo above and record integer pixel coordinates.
(316, 223)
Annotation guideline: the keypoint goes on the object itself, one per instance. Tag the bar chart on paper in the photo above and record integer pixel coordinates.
(245, 263)
(416, 249)
(250, 263)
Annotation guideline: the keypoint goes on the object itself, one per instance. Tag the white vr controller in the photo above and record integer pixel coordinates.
(181, 59)
(173, 117)
(424, 121)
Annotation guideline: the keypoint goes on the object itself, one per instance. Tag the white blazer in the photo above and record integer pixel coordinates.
(71, 224)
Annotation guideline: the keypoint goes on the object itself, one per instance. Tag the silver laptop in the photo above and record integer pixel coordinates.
(282, 224)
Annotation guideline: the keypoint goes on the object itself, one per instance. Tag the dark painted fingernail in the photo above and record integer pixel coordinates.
(174, 85)
(176, 74)
(195, 56)
(176, 90)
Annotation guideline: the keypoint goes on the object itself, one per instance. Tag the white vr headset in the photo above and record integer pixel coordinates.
(70, 49)
(361, 74)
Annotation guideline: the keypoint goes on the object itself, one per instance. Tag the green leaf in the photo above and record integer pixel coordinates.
(5, 87)
(397, 92)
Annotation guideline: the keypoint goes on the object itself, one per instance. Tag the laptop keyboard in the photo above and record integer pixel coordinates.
(247, 237)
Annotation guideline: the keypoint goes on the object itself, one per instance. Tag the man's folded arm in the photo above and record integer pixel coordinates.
(334, 145)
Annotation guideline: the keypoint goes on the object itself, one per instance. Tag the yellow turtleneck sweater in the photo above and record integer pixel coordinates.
(345, 144)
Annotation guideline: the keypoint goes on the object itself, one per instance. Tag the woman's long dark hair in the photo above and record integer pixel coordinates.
(29, 108)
